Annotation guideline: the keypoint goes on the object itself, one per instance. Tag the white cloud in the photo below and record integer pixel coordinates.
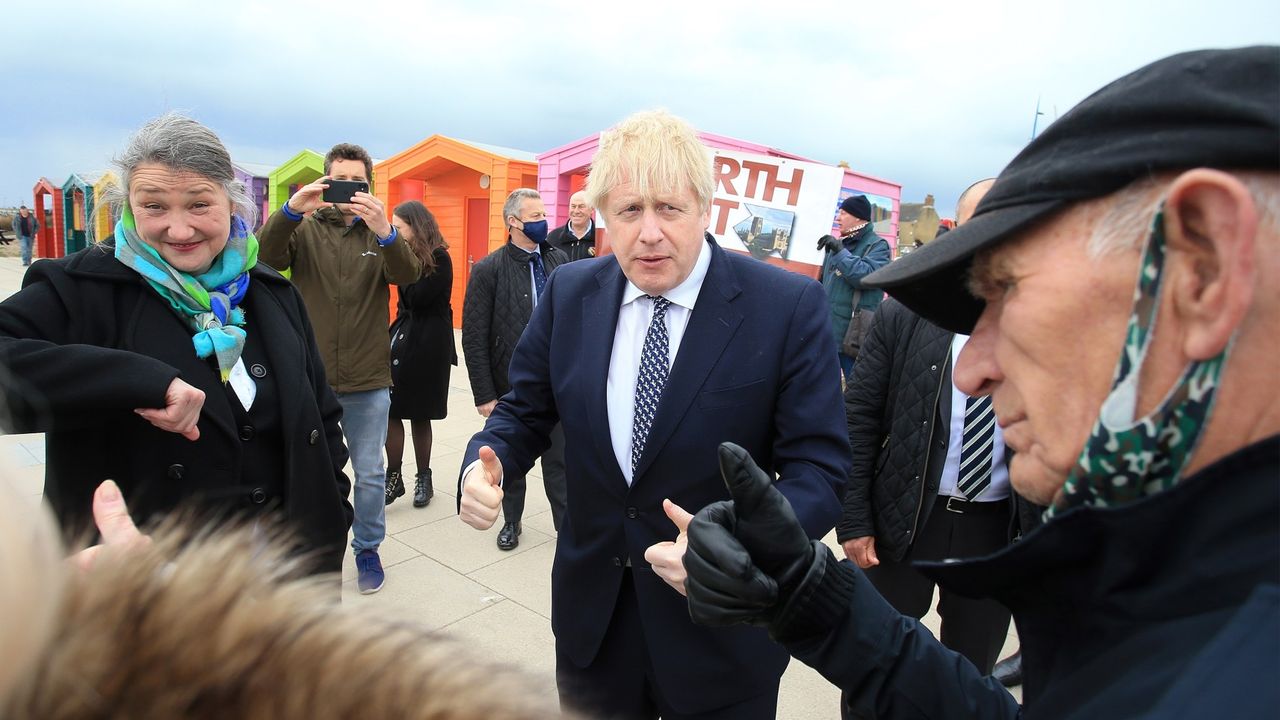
(931, 95)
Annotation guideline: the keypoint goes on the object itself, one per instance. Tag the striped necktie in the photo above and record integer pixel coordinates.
(654, 357)
(979, 442)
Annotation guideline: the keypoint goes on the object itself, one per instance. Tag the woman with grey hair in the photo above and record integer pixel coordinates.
(169, 360)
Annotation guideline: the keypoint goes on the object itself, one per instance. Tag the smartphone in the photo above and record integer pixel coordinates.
(341, 191)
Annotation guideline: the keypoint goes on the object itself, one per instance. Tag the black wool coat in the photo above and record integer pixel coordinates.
(422, 349)
(86, 341)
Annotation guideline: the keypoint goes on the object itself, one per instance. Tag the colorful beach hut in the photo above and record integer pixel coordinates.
(255, 177)
(103, 224)
(464, 184)
(77, 211)
(763, 197)
(49, 242)
(298, 170)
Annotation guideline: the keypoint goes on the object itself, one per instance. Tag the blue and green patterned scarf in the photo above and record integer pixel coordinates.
(210, 302)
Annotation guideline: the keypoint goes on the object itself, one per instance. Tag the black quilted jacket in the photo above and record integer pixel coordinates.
(891, 404)
(494, 313)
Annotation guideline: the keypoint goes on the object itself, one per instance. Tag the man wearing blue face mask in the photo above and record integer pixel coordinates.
(501, 295)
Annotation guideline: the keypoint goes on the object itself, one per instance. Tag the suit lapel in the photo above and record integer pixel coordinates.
(599, 323)
(712, 325)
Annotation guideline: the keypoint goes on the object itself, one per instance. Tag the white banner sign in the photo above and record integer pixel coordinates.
(774, 208)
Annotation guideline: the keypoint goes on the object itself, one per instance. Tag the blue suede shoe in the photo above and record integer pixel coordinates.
(369, 572)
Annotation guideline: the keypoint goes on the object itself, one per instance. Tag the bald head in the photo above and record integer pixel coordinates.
(970, 198)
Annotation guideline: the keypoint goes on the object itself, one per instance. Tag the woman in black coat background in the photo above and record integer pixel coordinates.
(422, 350)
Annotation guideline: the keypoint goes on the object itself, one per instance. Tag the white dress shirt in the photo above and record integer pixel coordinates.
(628, 343)
(999, 487)
(591, 224)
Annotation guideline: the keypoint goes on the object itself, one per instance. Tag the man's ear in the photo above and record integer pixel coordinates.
(1211, 226)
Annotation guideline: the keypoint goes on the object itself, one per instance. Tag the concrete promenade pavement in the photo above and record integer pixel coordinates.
(448, 576)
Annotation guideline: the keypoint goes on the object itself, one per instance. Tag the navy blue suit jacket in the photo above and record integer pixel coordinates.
(756, 366)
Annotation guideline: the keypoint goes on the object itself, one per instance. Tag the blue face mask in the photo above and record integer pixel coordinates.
(536, 231)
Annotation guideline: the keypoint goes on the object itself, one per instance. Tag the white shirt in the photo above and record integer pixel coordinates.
(999, 487)
(628, 343)
(590, 226)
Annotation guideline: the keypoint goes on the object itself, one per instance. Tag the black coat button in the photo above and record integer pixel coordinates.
(257, 370)
(315, 436)
(175, 472)
(258, 496)
(246, 432)
(617, 562)
(633, 513)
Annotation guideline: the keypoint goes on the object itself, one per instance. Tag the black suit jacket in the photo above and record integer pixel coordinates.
(756, 366)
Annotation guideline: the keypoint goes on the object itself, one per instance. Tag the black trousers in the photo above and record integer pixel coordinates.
(974, 628)
(619, 684)
(552, 481)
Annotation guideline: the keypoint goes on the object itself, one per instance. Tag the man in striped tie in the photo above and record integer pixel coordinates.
(651, 356)
(930, 478)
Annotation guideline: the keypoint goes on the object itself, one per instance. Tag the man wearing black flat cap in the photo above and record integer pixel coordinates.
(856, 254)
(1119, 285)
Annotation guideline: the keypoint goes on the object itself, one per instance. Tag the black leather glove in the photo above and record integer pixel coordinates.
(745, 557)
(829, 244)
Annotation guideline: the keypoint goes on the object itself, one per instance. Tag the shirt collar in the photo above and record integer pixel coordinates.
(537, 248)
(591, 224)
(686, 293)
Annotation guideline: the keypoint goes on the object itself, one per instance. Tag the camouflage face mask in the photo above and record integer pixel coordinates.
(1127, 457)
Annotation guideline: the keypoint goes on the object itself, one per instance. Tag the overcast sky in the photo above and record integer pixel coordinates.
(929, 95)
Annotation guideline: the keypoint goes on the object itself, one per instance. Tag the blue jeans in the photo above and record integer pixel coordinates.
(364, 424)
(25, 243)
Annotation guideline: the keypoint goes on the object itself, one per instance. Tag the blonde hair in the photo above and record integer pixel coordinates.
(32, 580)
(206, 622)
(657, 152)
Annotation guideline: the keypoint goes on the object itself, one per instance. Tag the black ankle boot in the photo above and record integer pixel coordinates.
(422, 490)
(395, 486)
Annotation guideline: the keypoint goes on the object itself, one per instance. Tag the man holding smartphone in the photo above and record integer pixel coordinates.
(344, 256)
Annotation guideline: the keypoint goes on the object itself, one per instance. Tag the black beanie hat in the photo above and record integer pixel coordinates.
(857, 206)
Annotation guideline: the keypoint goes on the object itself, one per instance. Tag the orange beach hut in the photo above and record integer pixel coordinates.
(464, 184)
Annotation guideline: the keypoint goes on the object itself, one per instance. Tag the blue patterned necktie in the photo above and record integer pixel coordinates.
(653, 377)
(539, 272)
(979, 442)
